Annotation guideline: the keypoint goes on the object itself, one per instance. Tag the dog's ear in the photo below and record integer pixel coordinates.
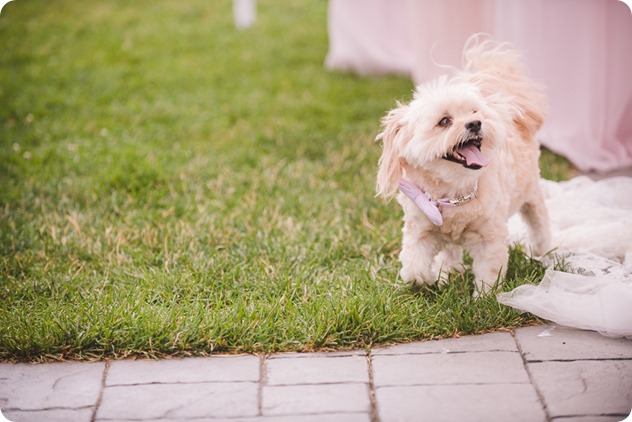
(393, 138)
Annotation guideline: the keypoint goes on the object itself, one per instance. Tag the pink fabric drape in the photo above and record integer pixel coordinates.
(367, 37)
(580, 49)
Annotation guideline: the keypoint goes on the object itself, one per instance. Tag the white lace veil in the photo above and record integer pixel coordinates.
(591, 225)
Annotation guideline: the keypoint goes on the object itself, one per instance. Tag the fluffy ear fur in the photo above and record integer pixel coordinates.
(495, 65)
(393, 138)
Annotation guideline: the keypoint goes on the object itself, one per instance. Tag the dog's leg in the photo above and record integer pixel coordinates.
(448, 259)
(490, 257)
(416, 257)
(536, 215)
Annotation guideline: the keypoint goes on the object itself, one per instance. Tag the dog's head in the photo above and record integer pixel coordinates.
(449, 130)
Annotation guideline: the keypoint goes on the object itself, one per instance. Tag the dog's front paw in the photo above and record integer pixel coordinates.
(412, 275)
(446, 261)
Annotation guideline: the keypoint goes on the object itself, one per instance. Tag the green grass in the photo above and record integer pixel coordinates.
(169, 185)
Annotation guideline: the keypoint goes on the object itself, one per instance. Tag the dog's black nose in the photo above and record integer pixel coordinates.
(474, 126)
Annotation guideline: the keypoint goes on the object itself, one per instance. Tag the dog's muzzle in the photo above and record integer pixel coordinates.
(468, 153)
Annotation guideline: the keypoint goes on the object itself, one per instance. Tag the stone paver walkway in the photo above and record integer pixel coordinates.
(540, 373)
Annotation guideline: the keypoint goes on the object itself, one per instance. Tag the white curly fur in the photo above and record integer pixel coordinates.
(491, 88)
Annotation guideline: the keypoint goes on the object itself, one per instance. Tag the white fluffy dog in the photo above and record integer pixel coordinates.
(464, 157)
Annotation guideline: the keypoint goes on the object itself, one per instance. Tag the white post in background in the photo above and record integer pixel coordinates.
(245, 12)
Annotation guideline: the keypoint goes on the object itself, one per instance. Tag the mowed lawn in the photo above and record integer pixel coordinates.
(171, 186)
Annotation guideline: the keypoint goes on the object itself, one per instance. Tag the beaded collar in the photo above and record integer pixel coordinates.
(430, 206)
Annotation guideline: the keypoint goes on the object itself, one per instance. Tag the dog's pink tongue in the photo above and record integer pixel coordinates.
(473, 156)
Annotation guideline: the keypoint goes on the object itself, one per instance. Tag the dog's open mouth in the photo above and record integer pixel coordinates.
(468, 154)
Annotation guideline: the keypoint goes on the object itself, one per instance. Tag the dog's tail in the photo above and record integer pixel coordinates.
(498, 68)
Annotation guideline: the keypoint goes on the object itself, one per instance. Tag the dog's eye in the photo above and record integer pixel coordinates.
(446, 121)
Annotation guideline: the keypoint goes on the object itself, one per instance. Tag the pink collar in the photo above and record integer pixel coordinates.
(430, 206)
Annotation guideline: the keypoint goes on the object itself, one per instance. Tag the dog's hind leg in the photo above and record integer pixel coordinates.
(490, 255)
(449, 259)
(536, 216)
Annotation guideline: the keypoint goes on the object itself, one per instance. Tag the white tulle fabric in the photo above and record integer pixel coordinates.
(591, 224)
